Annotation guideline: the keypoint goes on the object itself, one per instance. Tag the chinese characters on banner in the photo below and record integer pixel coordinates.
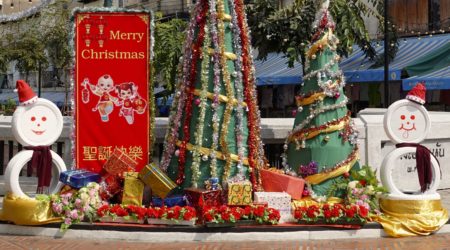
(111, 87)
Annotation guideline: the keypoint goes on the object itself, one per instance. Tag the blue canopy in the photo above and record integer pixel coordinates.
(275, 71)
(356, 67)
(439, 79)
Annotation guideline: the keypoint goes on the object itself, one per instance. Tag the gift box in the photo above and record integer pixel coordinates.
(239, 193)
(200, 198)
(133, 189)
(158, 181)
(118, 163)
(110, 186)
(277, 182)
(176, 200)
(78, 178)
(277, 200)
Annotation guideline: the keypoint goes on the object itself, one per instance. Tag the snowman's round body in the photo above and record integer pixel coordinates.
(407, 122)
(38, 124)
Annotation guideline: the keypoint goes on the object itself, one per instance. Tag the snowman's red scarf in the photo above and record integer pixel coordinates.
(42, 162)
(423, 163)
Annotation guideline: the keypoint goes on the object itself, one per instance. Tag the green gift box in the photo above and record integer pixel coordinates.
(158, 181)
(240, 193)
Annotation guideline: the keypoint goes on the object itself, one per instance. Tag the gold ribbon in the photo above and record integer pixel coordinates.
(207, 151)
(411, 217)
(320, 177)
(27, 211)
(310, 99)
(228, 55)
(222, 98)
(313, 134)
(321, 43)
(225, 17)
(308, 201)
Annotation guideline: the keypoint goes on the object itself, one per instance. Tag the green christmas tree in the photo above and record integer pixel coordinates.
(322, 145)
(214, 121)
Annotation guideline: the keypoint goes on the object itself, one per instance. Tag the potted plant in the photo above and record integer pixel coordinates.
(176, 215)
(122, 214)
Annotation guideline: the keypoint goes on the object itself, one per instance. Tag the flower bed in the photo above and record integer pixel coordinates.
(122, 214)
(229, 216)
(332, 214)
(184, 216)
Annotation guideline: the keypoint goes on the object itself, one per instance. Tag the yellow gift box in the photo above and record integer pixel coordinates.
(133, 189)
(158, 181)
(240, 193)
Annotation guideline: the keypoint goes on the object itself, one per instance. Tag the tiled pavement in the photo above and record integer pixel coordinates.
(434, 242)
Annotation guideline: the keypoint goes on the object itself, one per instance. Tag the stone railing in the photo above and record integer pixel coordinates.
(373, 142)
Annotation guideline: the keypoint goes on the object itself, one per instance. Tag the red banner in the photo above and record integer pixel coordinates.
(111, 87)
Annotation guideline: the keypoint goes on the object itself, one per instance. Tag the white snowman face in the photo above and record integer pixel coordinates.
(406, 121)
(38, 124)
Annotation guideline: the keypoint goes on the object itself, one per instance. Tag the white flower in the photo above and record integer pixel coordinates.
(352, 184)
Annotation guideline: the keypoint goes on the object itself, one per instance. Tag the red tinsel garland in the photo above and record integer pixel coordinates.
(248, 92)
(201, 20)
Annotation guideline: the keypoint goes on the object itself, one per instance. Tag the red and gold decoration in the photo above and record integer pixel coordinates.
(240, 193)
(112, 55)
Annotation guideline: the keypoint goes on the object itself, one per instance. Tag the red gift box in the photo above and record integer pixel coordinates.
(118, 163)
(276, 182)
(110, 186)
(200, 198)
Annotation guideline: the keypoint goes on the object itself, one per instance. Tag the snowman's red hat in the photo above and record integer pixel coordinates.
(26, 93)
(417, 94)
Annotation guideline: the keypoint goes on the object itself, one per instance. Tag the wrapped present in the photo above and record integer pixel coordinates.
(110, 186)
(158, 181)
(176, 200)
(78, 178)
(133, 189)
(200, 198)
(277, 200)
(239, 193)
(273, 181)
(119, 162)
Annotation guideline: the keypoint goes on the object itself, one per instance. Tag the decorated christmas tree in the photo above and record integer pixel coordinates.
(214, 121)
(322, 145)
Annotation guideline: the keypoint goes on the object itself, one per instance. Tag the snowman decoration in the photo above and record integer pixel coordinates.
(407, 123)
(37, 123)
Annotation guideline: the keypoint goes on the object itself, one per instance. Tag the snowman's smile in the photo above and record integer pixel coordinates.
(408, 129)
(38, 132)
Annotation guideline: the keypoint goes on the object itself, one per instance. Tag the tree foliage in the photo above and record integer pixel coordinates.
(289, 30)
(169, 38)
(37, 41)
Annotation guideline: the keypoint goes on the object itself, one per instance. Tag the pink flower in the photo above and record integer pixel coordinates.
(74, 214)
(67, 221)
(364, 197)
(65, 202)
(78, 203)
(57, 207)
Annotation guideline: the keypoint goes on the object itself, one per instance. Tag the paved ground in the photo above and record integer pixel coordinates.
(434, 242)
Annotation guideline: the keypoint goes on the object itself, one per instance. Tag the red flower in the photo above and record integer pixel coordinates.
(311, 213)
(363, 211)
(326, 207)
(335, 212)
(350, 213)
(189, 213)
(274, 215)
(363, 182)
(208, 217)
(259, 211)
(247, 211)
(225, 216)
(298, 213)
(102, 210)
(176, 212)
(327, 213)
